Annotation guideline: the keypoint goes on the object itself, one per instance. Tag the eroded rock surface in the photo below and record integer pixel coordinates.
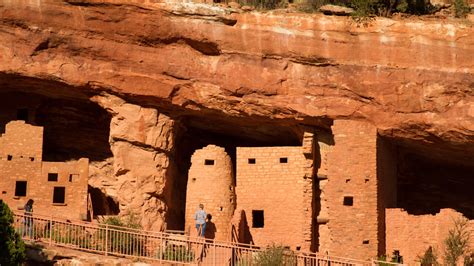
(238, 73)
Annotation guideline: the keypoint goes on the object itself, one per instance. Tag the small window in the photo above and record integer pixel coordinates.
(208, 162)
(252, 161)
(365, 242)
(257, 219)
(32, 159)
(53, 177)
(9, 157)
(284, 160)
(59, 194)
(348, 201)
(73, 177)
(20, 189)
(22, 114)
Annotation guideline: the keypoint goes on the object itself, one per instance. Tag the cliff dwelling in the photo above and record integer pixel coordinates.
(318, 133)
(55, 187)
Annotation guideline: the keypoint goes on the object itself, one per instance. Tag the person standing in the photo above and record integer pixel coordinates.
(200, 219)
(28, 218)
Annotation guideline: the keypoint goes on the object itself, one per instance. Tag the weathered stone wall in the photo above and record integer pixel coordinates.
(352, 175)
(279, 190)
(73, 176)
(321, 237)
(211, 185)
(412, 235)
(24, 143)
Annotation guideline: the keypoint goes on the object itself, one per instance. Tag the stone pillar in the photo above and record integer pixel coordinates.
(210, 182)
(351, 191)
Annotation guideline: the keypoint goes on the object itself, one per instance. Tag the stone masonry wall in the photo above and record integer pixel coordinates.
(23, 143)
(351, 191)
(210, 182)
(322, 238)
(73, 176)
(278, 190)
(412, 235)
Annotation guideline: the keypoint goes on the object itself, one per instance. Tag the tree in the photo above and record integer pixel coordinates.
(457, 242)
(12, 248)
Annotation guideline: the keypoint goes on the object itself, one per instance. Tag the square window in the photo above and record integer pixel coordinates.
(20, 188)
(53, 177)
(22, 114)
(348, 201)
(208, 162)
(9, 157)
(283, 160)
(257, 219)
(32, 159)
(73, 177)
(59, 195)
(252, 161)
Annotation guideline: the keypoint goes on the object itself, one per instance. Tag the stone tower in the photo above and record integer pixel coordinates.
(210, 182)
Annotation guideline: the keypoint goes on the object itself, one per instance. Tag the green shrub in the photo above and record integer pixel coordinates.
(12, 248)
(264, 4)
(122, 240)
(457, 242)
(275, 256)
(178, 253)
(461, 8)
(429, 258)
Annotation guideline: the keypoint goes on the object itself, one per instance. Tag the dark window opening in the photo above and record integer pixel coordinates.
(208, 162)
(73, 177)
(257, 219)
(20, 188)
(284, 160)
(22, 114)
(52, 177)
(32, 159)
(59, 195)
(348, 201)
(365, 242)
(9, 157)
(252, 160)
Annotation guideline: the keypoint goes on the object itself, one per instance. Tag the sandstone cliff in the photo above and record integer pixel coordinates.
(156, 67)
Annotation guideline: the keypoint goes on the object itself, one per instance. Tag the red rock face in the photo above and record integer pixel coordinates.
(412, 78)
(245, 73)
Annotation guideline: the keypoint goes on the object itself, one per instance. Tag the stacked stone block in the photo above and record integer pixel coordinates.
(351, 191)
(21, 160)
(210, 182)
(278, 189)
(412, 235)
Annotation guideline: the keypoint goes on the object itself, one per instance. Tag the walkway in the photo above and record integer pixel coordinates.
(155, 247)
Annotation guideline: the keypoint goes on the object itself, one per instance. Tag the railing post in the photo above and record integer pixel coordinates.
(50, 230)
(106, 238)
(214, 257)
(161, 249)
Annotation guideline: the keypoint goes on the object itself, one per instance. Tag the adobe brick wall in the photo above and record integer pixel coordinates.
(352, 172)
(213, 186)
(24, 143)
(75, 206)
(279, 190)
(412, 235)
(323, 238)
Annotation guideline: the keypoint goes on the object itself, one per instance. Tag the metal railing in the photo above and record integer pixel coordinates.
(154, 246)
